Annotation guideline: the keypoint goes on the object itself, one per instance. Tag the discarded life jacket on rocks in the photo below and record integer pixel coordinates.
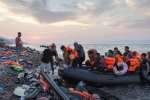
(6, 53)
(44, 84)
(10, 62)
(84, 94)
(14, 65)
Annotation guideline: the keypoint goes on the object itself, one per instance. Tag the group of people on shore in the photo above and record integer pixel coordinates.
(71, 57)
(113, 60)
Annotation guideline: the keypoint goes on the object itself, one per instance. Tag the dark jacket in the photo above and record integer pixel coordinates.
(80, 50)
(47, 56)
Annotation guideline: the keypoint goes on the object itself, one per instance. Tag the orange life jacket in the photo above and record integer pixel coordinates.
(110, 61)
(134, 64)
(73, 52)
(119, 58)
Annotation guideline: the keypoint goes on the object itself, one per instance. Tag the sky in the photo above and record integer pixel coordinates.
(66, 21)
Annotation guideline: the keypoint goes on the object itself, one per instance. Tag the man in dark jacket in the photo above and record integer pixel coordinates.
(81, 53)
(127, 53)
(48, 60)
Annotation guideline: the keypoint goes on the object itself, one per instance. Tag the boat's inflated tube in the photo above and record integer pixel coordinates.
(97, 78)
(120, 69)
(146, 72)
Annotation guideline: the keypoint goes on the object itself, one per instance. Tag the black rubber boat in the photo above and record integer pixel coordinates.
(74, 75)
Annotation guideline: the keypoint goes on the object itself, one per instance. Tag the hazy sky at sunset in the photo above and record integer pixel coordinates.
(43, 21)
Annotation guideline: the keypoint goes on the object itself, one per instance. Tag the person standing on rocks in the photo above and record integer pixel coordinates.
(19, 45)
(54, 53)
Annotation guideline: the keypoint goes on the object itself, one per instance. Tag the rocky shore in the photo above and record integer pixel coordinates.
(29, 58)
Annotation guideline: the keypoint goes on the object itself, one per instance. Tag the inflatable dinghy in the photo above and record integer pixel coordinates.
(99, 78)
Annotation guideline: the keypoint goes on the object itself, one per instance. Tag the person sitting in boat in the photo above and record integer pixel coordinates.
(81, 53)
(145, 67)
(120, 68)
(70, 56)
(127, 54)
(144, 59)
(115, 62)
(117, 51)
(92, 62)
(148, 57)
(102, 65)
(95, 60)
(134, 62)
(109, 60)
(109, 53)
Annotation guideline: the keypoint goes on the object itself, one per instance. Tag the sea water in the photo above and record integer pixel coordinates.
(102, 48)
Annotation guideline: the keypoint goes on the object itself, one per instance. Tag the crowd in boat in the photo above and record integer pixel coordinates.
(113, 60)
